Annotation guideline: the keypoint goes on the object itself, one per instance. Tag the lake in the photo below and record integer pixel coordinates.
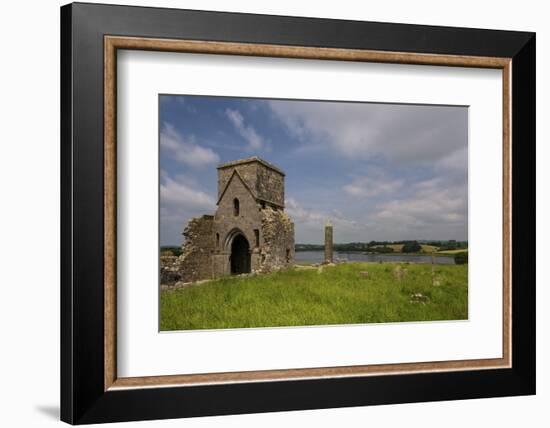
(318, 257)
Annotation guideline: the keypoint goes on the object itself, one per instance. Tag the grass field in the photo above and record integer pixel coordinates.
(342, 294)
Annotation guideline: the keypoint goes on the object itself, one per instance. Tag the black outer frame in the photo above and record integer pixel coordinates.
(83, 399)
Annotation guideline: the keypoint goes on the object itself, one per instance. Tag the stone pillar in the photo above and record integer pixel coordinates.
(328, 242)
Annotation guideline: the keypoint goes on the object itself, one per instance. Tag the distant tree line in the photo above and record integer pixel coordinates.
(408, 246)
(411, 247)
(448, 245)
(308, 247)
(174, 251)
(380, 249)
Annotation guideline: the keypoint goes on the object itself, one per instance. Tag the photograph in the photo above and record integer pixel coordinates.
(290, 212)
(272, 211)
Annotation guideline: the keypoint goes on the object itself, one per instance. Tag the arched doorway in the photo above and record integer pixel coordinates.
(240, 255)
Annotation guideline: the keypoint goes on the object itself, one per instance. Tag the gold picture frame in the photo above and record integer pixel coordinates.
(114, 43)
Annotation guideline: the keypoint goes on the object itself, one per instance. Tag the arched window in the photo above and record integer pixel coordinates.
(235, 207)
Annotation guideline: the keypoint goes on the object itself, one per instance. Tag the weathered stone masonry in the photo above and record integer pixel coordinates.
(250, 232)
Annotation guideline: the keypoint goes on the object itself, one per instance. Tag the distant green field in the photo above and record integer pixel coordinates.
(462, 250)
(342, 294)
(397, 248)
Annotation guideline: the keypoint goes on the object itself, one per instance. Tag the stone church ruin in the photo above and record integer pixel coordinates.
(249, 232)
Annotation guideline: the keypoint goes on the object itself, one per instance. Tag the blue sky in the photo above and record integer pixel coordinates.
(377, 171)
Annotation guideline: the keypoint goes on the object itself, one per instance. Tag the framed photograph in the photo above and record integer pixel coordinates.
(267, 213)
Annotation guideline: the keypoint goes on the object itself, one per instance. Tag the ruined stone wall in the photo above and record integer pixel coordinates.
(277, 244)
(195, 263)
(270, 185)
(267, 228)
(169, 270)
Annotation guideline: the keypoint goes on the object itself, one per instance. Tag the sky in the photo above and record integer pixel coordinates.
(383, 172)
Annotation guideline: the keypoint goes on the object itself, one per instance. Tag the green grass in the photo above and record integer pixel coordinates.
(303, 296)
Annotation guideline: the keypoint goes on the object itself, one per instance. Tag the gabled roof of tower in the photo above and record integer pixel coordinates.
(251, 160)
(254, 195)
(235, 173)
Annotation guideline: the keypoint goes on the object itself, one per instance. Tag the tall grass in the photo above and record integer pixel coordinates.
(340, 294)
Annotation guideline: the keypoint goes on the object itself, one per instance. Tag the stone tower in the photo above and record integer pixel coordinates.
(252, 231)
(328, 242)
(249, 232)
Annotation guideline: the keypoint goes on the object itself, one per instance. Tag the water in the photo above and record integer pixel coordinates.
(319, 256)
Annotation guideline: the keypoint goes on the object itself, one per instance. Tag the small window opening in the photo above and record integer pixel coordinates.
(257, 237)
(217, 239)
(262, 204)
(235, 207)
(288, 255)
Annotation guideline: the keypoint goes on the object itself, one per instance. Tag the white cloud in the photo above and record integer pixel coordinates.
(432, 206)
(176, 194)
(180, 200)
(373, 185)
(400, 133)
(454, 162)
(254, 141)
(186, 150)
(307, 216)
(310, 222)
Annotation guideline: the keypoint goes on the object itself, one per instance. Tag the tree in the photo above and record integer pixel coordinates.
(383, 249)
(461, 258)
(411, 247)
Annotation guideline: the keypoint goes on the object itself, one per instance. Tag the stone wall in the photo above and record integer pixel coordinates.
(270, 185)
(195, 263)
(169, 270)
(225, 222)
(277, 246)
(265, 182)
(247, 171)
(260, 219)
